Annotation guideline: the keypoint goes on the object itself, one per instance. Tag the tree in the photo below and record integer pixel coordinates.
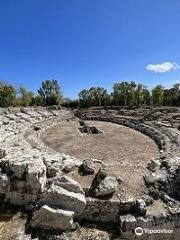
(130, 94)
(68, 103)
(142, 95)
(157, 95)
(124, 93)
(50, 92)
(98, 96)
(147, 97)
(84, 98)
(37, 100)
(26, 97)
(7, 95)
(176, 95)
(132, 88)
(120, 93)
(95, 96)
(168, 95)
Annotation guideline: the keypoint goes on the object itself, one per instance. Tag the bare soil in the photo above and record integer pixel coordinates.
(125, 152)
(10, 225)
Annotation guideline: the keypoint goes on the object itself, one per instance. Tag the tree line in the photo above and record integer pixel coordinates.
(128, 94)
(47, 95)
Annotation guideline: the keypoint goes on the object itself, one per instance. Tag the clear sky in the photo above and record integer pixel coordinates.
(84, 43)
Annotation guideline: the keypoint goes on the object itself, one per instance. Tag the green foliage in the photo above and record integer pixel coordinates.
(130, 94)
(123, 93)
(171, 97)
(157, 95)
(50, 93)
(38, 101)
(26, 97)
(70, 103)
(95, 96)
(7, 95)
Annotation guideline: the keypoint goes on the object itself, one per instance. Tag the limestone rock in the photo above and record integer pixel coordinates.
(53, 165)
(154, 164)
(87, 167)
(21, 199)
(36, 177)
(68, 165)
(174, 188)
(16, 164)
(2, 153)
(147, 199)
(47, 218)
(99, 177)
(127, 204)
(141, 206)
(120, 180)
(59, 197)
(106, 187)
(4, 183)
(157, 178)
(128, 222)
(68, 184)
(160, 217)
(144, 222)
(19, 185)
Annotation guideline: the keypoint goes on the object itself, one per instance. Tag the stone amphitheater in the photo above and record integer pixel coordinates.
(66, 196)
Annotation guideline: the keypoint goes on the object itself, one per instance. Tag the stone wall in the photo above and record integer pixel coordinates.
(162, 179)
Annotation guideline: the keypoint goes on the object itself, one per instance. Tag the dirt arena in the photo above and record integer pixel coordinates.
(124, 152)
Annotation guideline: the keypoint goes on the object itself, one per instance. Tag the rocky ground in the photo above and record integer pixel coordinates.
(61, 193)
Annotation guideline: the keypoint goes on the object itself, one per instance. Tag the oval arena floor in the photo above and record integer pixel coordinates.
(124, 152)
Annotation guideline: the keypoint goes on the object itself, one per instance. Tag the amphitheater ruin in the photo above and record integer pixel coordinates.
(96, 174)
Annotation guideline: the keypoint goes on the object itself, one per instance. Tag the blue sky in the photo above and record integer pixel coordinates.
(85, 43)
